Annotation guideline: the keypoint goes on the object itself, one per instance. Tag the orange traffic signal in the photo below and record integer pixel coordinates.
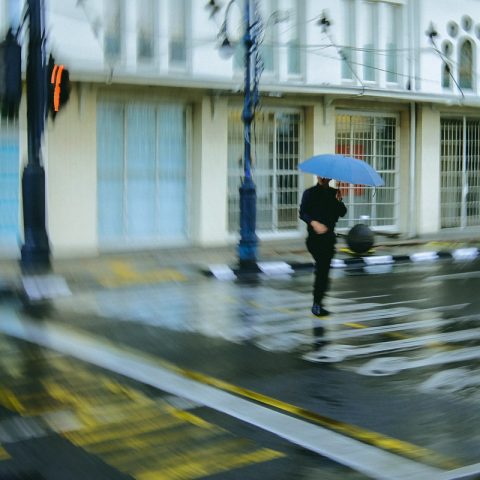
(59, 87)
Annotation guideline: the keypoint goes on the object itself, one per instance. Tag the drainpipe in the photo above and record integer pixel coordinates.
(412, 43)
(412, 231)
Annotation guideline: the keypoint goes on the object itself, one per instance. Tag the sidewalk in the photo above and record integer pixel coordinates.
(111, 270)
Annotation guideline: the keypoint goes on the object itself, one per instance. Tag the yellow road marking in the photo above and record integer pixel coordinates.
(165, 438)
(4, 455)
(9, 400)
(209, 465)
(140, 436)
(351, 252)
(193, 419)
(123, 274)
(399, 447)
(355, 325)
(200, 462)
(98, 434)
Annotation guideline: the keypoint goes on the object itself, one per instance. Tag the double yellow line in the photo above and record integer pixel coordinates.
(384, 442)
(399, 447)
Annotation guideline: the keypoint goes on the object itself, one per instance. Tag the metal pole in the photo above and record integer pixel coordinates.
(247, 247)
(36, 249)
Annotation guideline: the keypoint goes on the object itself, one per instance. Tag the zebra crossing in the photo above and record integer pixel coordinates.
(372, 335)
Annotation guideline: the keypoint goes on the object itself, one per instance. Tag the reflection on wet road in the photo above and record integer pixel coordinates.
(400, 369)
(57, 399)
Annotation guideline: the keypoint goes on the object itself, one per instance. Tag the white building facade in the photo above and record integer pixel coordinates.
(148, 150)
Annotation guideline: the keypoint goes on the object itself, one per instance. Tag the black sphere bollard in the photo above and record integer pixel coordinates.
(360, 238)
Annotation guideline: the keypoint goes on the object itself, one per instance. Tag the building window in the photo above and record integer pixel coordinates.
(460, 172)
(446, 77)
(239, 57)
(465, 72)
(373, 139)
(294, 40)
(349, 35)
(393, 19)
(178, 33)
(146, 27)
(267, 37)
(370, 26)
(112, 41)
(276, 154)
(266, 10)
(141, 172)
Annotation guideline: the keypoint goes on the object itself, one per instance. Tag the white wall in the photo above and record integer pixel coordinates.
(210, 153)
(70, 166)
(72, 40)
(440, 13)
(428, 170)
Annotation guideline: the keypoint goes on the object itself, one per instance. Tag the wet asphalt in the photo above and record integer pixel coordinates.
(257, 334)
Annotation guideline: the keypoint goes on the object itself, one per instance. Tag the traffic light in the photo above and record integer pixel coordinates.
(58, 86)
(10, 76)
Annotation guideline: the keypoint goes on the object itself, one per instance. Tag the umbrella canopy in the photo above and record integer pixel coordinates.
(342, 168)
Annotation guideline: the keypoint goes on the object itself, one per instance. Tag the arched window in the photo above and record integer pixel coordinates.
(465, 70)
(446, 77)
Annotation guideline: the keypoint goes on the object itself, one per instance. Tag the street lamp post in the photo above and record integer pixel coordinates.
(35, 254)
(247, 247)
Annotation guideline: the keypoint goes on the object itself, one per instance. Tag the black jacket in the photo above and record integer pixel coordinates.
(320, 203)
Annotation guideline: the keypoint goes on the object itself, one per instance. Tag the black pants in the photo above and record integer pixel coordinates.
(322, 248)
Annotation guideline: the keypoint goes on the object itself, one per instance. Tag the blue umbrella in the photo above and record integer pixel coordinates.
(342, 168)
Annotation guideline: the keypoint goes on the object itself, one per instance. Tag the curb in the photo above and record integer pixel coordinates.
(281, 268)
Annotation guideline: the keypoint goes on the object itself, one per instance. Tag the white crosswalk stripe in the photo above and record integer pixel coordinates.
(358, 327)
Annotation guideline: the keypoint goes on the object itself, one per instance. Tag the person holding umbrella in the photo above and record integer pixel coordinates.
(320, 209)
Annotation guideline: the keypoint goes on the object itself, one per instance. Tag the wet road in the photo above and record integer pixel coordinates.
(400, 372)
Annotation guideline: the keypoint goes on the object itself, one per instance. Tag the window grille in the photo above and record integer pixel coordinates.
(276, 152)
(460, 173)
(373, 139)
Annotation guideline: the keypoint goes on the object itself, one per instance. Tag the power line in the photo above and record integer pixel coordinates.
(432, 33)
(96, 26)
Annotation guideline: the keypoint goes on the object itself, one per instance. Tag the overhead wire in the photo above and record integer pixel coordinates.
(431, 33)
(314, 49)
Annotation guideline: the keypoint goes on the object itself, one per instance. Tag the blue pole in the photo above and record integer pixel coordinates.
(35, 250)
(247, 247)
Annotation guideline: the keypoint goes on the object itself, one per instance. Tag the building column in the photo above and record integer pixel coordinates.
(71, 150)
(210, 168)
(428, 171)
(319, 132)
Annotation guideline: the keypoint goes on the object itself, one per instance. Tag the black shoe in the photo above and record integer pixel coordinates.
(319, 311)
(316, 309)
